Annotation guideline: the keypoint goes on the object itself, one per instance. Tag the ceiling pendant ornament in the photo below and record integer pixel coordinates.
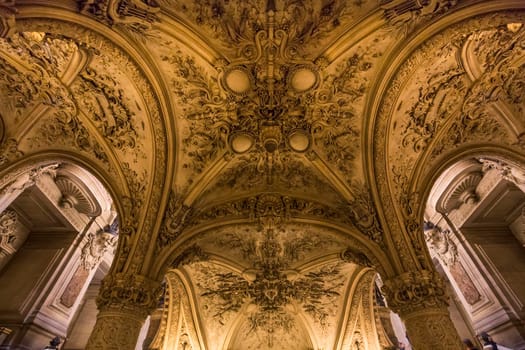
(271, 293)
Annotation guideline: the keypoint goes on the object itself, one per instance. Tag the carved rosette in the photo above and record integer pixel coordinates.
(124, 303)
(420, 298)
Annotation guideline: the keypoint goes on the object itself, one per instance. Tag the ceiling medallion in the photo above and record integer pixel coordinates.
(266, 86)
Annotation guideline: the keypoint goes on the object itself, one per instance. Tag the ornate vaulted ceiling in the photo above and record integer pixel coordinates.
(253, 143)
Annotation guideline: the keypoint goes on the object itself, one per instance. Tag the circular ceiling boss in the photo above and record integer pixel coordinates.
(241, 142)
(238, 80)
(303, 78)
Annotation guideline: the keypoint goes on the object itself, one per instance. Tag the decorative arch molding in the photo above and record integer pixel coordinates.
(146, 192)
(425, 184)
(358, 321)
(187, 245)
(395, 183)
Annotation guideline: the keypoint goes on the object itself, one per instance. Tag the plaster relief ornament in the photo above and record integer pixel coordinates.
(271, 105)
(95, 248)
(134, 15)
(270, 293)
(7, 18)
(8, 220)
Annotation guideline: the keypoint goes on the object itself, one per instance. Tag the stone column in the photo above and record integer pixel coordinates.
(420, 299)
(124, 302)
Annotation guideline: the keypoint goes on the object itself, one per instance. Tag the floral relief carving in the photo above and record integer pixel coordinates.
(106, 104)
(236, 23)
(41, 60)
(269, 289)
(9, 151)
(250, 120)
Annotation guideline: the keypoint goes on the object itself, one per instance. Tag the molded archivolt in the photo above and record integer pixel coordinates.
(270, 286)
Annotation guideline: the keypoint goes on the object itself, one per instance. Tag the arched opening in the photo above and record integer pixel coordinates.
(474, 230)
(58, 234)
(271, 282)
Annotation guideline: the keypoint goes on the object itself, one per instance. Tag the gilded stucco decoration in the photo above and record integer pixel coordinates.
(82, 94)
(266, 153)
(7, 18)
(269, 284)
(136, 16)
(427, 114)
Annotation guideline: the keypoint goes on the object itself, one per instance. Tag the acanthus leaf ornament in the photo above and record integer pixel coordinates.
(133, 293)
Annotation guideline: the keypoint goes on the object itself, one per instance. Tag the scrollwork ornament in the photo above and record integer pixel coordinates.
(176, 218)
(353, 256)
(363, 215)
(135, 15)
(7, 18)
(408, 14)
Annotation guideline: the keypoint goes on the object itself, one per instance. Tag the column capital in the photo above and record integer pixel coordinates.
(420, 298)
(415, 291)
(129, 294)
